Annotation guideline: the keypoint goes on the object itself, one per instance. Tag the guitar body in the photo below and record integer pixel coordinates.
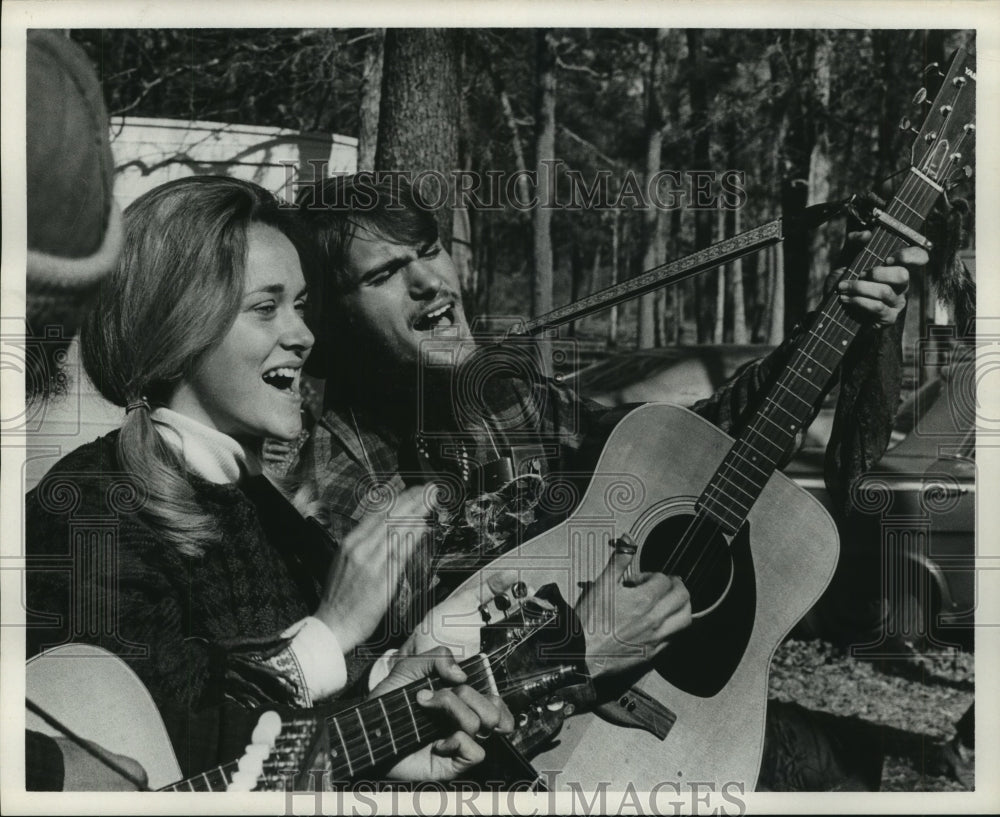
(64, 682)
(712, 677)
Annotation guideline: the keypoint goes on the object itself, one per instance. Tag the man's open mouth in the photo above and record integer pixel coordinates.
(441, 317)
(282, 378)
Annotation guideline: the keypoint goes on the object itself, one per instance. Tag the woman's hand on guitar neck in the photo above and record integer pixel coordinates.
(628, 617)
(473, 713)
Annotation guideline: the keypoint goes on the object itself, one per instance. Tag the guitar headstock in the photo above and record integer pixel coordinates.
(537, 656)
(943, 145)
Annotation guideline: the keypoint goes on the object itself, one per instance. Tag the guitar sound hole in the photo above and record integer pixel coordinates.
(705, 563)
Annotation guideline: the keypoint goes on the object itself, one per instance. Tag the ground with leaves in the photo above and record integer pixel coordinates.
(916, 702)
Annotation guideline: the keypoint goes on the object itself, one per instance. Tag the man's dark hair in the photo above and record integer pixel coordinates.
(332, 211)
(387, 205)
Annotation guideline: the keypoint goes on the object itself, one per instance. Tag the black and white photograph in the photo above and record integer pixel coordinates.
(459, 408)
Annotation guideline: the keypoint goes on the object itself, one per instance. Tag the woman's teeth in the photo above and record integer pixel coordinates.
(282, 378)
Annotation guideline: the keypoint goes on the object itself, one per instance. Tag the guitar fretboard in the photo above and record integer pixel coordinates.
(789, 405)
(360, 738)
(393, 724)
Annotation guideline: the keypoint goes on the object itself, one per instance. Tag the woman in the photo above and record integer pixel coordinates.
(182, 558)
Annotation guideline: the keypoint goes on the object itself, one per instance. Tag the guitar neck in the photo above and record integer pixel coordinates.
(360, 738)
(789, 405)
(394, 724)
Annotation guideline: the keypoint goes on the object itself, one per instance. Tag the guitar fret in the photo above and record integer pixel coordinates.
(720, 490)
(364, 733)
(750, 462)
(804, 379)
(388, 726)
(844, 326)
(781, 428)
(343, 743)
(780, 407)
(827, 343)
(791, 393)
(719, 512)
(824, 368)
(750, 445)
(736, 485)
(412, 717)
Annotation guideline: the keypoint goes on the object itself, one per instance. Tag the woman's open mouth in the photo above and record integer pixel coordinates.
(283, 378)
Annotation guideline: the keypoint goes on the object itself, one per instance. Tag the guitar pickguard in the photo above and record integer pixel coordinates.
(701, 659)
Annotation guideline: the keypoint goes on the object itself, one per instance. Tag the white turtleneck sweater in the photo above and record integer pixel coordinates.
(218, 458)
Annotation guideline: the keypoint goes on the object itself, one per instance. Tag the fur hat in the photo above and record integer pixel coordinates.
(74, 225)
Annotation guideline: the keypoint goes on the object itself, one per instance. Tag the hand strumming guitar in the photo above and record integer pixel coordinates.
(628, 617)
(366, 570)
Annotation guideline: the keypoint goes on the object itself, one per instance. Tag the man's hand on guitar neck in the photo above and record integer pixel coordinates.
(878, 297)
(629, 616)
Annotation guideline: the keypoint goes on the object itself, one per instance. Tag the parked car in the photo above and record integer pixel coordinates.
(919, 500)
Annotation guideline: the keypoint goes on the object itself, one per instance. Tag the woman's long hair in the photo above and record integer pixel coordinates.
(175, 294)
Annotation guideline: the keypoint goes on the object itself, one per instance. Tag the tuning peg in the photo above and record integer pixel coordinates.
(933, 67)
(906, 125)
(920, 96)
(930, 136)
(969, 128)
(958, 82)
(967, 171)
(944, 110)
(520, 590)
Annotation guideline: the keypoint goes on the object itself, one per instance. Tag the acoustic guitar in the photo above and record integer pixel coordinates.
(517, 662)
(754, 550)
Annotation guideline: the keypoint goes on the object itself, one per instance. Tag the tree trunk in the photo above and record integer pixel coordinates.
(819, 167)
(542, 282)
(371, 94)
(718, 332)
(740, 334)
(776, 331)
(703, 222)
(652, 248)
(796, 150)
(613, 312)
(523, 191)
(545, 144)
(418, 121)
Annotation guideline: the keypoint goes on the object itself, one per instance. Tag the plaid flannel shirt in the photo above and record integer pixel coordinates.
(546, 428)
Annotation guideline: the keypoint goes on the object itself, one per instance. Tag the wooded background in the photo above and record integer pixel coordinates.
(808, 115)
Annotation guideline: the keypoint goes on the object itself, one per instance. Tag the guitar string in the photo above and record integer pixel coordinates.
(877, 249)
(705, 527)
(901, 199)
(708, 524)
(930, 195)
(407, 734)
(923, 199)
(472, 679)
